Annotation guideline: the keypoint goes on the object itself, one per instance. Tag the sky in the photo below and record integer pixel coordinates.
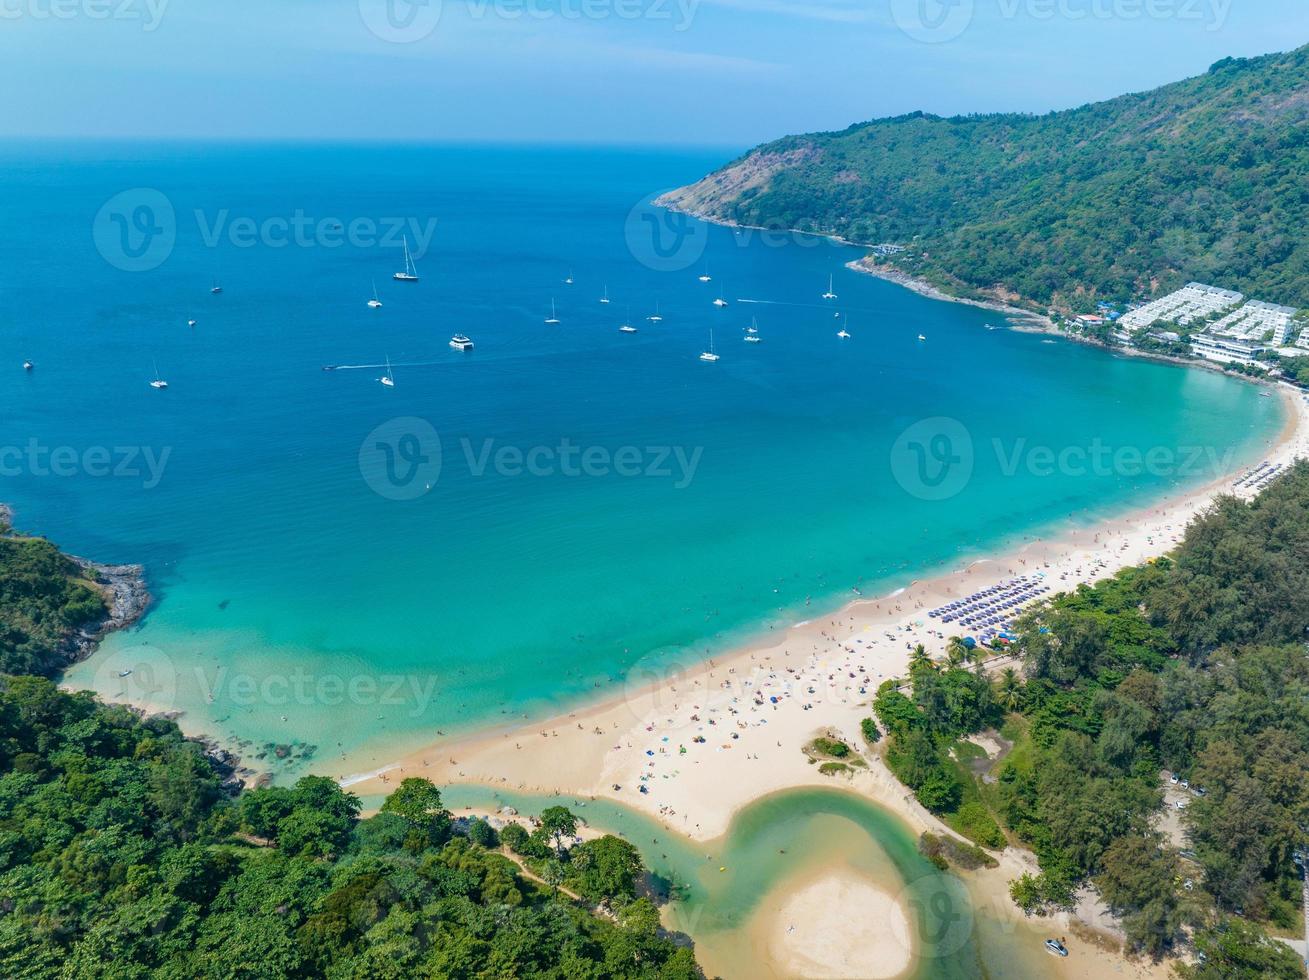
(726, 73)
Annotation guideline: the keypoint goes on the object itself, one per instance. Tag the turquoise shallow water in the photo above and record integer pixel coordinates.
(786, 838)
(299, 599)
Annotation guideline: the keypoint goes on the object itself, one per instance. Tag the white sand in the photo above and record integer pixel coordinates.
(756, 708)
(841, 927)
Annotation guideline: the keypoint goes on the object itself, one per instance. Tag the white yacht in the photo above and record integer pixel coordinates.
(554, 316)
(830, 285)
(704, 276)
(605, 297)
(158, 382)
(190, 323)
(28, 365)
(655, 317)
(410, 273)
(921, 337)
(843, 334)
(709, 355)
(388, 379)
(216, 288)
(752, 332)
(569, 280)
(720, 301)
(374, 303)
(627, 324)
(461, 342)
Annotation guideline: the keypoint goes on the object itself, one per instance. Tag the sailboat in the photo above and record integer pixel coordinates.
(843, 334)
(830, 285)
(752, 332)
(569, 280)
(709, 355)
(605, 297)
(190, 323)
(410, 273)
(655, 317)
(720, 301)
(158, 382)
(388, 379)
(217, 287)
(704, 276)
(627, 324)
(553, 317)
(374, 303)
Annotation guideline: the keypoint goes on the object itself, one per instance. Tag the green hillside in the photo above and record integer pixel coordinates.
(1203, 179)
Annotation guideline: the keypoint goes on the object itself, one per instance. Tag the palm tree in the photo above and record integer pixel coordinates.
(956, 651)
(1009, 690)
(918, 659)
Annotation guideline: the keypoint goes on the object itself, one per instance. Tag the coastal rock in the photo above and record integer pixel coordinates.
(126, 597)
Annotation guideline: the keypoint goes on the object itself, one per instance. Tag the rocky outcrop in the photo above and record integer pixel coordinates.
(712, 196)
(126, 599)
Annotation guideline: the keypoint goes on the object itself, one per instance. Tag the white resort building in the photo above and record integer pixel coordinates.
(1257, 322)
(1194, 301)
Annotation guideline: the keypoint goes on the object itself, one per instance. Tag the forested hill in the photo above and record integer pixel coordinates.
(1205, 179)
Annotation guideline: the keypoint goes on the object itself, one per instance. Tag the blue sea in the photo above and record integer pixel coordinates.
(343, 568)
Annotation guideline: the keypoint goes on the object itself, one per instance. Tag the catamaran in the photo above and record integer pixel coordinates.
(720, 301)
(374, 303)
(710, 355)
(553, 317)
(388, 379)
(461, 342)
(410, 273)
(843, 334)
(627, 324)
(655, 317)
(704, 276)
(605, 297)
(830, 285)
(158, 382)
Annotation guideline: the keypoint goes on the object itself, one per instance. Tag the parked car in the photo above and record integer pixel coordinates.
(1056, 947)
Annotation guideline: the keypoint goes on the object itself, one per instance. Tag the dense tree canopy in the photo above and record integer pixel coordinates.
(1203, 179)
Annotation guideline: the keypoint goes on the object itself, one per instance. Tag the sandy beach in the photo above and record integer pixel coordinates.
(691, 744)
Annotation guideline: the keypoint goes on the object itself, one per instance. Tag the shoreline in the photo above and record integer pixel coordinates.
(694, 746)
(886, 626)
